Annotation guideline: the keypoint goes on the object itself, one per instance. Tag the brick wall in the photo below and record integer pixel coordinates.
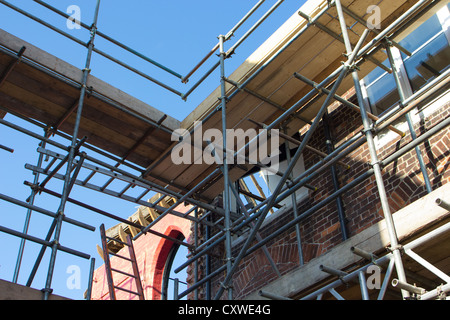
(321, 231)
(151, 254)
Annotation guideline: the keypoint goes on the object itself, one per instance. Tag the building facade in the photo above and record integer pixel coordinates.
(405, 179)
(342, 203)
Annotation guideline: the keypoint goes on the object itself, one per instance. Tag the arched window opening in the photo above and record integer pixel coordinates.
(177, 255)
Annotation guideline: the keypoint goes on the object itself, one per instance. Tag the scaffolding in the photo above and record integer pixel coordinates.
(222, 222)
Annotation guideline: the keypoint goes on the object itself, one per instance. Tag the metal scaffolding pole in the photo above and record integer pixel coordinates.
(91, 279)
(226, 191)
(435, 86)
(68, 182)
(101, 34)
(185, 79)
(294, 208)
(334, 177)
(402, 95)
(28, 216)
(207, 263)
(258, 236)
(44, 242)
(196, 265)
(373, 154)
(343, 101)
(253, 28)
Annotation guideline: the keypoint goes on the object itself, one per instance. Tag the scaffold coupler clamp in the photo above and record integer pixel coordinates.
(441, 294)
(226, 287)
(47, 290)
(398, 247)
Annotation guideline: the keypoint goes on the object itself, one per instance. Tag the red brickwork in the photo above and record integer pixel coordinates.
(321, 231)
(151, 253)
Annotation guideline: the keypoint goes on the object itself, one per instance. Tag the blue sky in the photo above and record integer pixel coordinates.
(174, 33)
